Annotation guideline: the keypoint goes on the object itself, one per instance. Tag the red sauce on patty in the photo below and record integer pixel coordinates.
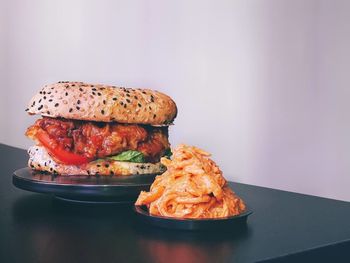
(98, 140)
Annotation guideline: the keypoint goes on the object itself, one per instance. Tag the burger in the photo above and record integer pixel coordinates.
(89, 129)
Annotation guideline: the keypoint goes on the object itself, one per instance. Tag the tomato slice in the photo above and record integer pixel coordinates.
(58, 152)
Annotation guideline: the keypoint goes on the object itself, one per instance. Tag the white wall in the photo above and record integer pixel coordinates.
(263, 85)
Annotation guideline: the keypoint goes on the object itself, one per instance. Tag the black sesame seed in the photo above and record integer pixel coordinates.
(80, 89)
(128, 95)
(128, 101)
(66, 93)
(106, 165)
(70, 110)
(136, 98)
(33, 103)
(99, 94)
(51, 169)
(143, 92)
(104, 101)
(40, 92)
(78, 108)
(73, 85)
(138, 104)
(154, 116)
(102, 111)
(125, 106)
(121, 103)
(88, 171)
(56, 105)
(50, 100)
(150, 107)
(98, 165)
(114, 99)
(44, 97)
(40, 107)
(39, 101)
(111, 172)
(78, 101)
(94, 93)
(152, 98)
(48, 112)
(26, 109)
(94, 89)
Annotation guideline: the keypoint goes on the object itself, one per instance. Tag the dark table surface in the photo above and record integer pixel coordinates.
(285, 227)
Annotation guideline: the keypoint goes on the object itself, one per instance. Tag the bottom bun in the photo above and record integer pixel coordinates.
(39, 159)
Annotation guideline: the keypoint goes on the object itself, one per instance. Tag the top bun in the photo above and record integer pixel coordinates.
(95, 102)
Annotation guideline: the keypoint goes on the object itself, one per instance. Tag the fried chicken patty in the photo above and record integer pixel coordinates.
(98, 140)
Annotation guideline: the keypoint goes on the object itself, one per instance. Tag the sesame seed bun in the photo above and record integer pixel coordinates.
(40, 160)
(95, 102)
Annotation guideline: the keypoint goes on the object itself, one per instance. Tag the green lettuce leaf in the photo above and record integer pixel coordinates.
(168, 153)
(129, 156)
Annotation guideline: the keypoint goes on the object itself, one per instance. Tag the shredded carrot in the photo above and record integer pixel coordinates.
(192, 187)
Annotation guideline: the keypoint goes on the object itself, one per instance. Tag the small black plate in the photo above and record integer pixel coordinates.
(233, 222)
(81, 188)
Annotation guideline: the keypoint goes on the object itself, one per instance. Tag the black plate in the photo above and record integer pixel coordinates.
(80, 188)
(232, 223)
